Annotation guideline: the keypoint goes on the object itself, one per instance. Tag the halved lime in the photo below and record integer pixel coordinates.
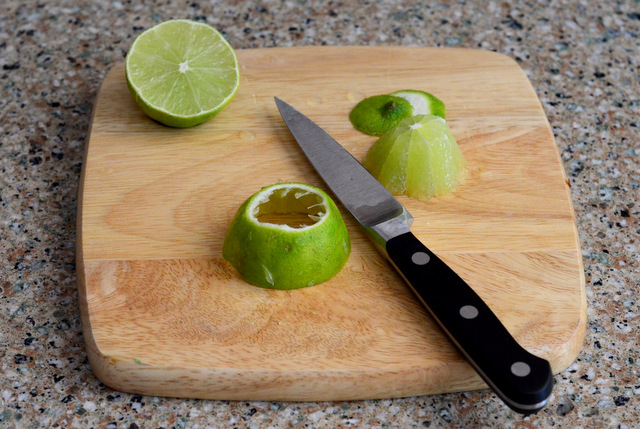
(380, 113)
(181, 72)
(422, 102)
(419, 158)
(287, 236)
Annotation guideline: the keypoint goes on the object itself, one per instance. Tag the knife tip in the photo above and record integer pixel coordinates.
(281, 104)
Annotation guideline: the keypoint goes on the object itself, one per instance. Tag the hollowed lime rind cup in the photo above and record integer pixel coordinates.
(282, 257)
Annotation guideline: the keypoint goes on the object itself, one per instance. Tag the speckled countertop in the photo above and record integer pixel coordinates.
(583, 59)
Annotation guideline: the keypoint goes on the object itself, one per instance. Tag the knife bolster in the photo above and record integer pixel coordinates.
(382, 232)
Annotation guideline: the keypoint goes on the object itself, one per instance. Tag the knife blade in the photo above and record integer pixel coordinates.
(522, 380)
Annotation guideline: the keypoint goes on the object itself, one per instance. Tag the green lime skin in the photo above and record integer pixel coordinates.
(171, 120)
(283, 257)
(380, 113)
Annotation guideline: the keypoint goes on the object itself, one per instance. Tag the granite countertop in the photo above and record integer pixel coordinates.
(583, 59)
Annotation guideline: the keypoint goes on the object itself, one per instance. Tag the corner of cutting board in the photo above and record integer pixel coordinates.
(498, 55)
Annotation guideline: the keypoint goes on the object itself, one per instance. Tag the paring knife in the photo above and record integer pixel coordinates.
(522, 380)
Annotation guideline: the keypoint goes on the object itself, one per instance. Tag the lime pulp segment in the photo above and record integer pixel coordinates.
(419, 158)
(182, 72)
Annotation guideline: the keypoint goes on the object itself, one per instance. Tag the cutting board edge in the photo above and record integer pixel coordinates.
(132, 376)
(128, 374)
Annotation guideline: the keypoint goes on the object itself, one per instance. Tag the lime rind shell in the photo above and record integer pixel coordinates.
(277, 257)
(423, 102)
(419, 158)
(150, 102)
(372, 115)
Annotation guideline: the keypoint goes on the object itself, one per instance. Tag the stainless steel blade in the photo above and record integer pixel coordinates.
(368, 201)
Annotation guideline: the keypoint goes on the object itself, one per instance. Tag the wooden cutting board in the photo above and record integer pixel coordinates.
(164, 314)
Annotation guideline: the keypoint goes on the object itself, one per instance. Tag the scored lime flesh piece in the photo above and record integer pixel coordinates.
(380, 113)
(181, 72)
(287, 236)
(423, 103)
(419, 158)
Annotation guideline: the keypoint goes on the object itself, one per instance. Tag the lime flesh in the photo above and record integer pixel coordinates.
(181, 72)
(422, 102)
(287, 236)
(419, 158)
(380, 113)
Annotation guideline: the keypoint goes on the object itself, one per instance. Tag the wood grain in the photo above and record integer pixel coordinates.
(164, 314)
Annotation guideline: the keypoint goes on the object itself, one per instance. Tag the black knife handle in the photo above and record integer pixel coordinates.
(522, 380)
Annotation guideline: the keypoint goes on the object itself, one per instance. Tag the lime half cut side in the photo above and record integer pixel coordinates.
(181, 72)
(287, 236)
(419, 158)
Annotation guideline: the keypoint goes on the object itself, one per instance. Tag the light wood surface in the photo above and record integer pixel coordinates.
(164, 314)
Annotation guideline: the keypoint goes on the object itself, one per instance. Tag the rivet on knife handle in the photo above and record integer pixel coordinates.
(523, 381)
